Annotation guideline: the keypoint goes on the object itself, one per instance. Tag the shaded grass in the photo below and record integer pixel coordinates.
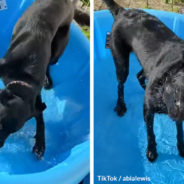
(86, 2)
(86, 31)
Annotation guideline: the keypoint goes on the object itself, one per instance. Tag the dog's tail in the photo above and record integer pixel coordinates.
(113, 7)
(82, 18)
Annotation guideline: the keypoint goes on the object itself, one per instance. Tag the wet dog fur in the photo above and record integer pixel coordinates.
(39, 39)
(161, 55)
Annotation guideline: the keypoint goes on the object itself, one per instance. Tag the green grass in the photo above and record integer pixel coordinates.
(86, 31)
(86, 2)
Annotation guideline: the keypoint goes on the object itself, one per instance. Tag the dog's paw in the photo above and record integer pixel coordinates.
(181, 150)
(48, 83)
(39, 151)
(120, 109)
(151, 155)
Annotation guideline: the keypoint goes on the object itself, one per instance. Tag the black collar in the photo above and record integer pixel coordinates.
(22, 89)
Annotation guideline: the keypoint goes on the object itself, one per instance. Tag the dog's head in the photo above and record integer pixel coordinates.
(14, 111)
(173, 96)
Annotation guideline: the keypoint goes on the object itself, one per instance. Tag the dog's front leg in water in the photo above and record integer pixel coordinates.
(39, 147)
(151, 152)
(180, 141)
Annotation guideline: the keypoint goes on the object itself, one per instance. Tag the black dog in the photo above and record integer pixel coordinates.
(39, 38)
(161, 54)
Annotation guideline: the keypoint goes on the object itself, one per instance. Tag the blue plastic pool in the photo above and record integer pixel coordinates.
(120, 143)
(66, 160)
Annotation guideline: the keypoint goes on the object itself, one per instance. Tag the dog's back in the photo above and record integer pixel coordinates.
(145, 35)
(42, 19)
(30, 47)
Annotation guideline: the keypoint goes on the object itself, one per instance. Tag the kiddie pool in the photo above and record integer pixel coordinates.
(120, 143)
(66, 160)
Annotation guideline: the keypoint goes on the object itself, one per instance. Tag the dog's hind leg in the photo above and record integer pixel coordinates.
(120, 54)
(57, 48)
(180, 141)
(39, 147)
(151, 152)
(59, 43)
(142, 79)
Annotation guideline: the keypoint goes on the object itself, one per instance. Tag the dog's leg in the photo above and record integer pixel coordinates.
(122, 70)
(39, 147)
(59, 43)
(58, 46)
(120, 106)
(180, 141)
(141, 78)
(121, 60)
(151, 152)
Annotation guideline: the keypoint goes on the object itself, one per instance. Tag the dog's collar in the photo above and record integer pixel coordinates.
(22, 83)
(21, 88)
(26, 91)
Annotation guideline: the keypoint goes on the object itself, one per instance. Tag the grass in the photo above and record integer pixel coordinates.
(166, 5)
(86, 2)
(86, 31)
